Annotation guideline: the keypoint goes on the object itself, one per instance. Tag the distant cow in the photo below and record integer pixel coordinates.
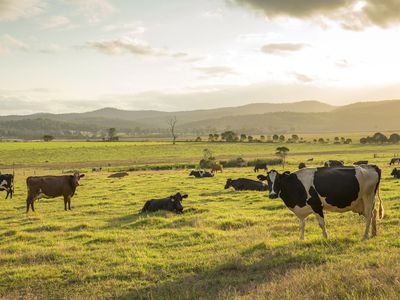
(310, 159)
(51, 187)
(260, 166)
(302, 165)
(395, 173)
(313, 190)
(333, 163)
(118, 175)
(201, 174)
(7, 184)
(171, 203)
(361, 162)
(215, 168)
(394, 160)
(97, 169)
(242, 184)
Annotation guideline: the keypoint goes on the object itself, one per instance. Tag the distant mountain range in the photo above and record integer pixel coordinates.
(257, 118)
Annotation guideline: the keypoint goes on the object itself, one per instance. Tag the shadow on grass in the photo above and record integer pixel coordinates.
(234, 277)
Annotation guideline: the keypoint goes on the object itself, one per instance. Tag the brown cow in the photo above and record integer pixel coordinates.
(51, 187)
(216, 168)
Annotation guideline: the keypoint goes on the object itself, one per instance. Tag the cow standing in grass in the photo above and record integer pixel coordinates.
(7, 184)
(215, 168)
(51, 187)
(260, 166)
(313, 190)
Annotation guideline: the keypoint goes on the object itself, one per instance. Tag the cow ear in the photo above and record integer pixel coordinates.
(185, 196)
(82, 175)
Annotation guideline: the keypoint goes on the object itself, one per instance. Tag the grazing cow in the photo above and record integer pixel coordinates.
(395, 173)
(261, 166)
(171, 203)
(51, 187)
(201, 174)
(343, 189)
(394, 160)
(302, 165)
(361, 162)
(334, 163)
(310, 159)
(243, 184)
(97, 169)
(118, 175)
(7, 184)
(215, 168)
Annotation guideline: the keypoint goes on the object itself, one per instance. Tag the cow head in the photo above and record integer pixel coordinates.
(177, 201)
(274, 183)
(76, 177)
(192, 173)
(228, 183)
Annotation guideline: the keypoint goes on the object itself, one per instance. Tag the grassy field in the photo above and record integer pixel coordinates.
(227, 244)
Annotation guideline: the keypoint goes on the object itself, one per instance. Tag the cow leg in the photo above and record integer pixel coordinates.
(65, 203)
(302, 227)
(316, 206)
(69, 203)
(33, 209)
(374, 216)
(7, 194)
(369, 206)
(29, 201)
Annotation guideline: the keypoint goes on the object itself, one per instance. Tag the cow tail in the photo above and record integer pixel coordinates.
(381, 211)
(13, 178)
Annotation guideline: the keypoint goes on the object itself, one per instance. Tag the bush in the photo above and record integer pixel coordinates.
(237, 162)
(269, 162)
(206, 163)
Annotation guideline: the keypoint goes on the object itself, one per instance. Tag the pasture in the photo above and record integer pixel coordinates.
(227, 244)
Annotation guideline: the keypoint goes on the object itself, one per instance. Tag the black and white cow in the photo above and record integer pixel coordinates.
(313, 190)
(7, 184)
(244, 184)
(334, 163)
(171, 203)
(201, 174)
(395, 173)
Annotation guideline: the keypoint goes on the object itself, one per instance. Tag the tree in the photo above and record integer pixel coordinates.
(348, 141)
(198, 139)
(211, 137)
(282, 153)
(394, 138)
(336, 139)
(295, 137)
(112, 134)
(250, 138)
(229, 136)
(379, 138)
(281, 138)
(243, 137)
(48, 138)
(275, 137)
(171, 124)
(262, 138)
(363, 140)
(216, 136)
(321, 141)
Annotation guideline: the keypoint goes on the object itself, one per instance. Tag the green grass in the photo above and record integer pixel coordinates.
(227, 245)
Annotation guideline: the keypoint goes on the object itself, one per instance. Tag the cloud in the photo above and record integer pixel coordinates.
(282, 48)
(132, 46)
(213, 14)
(57, 22)
(93, 10)
(132, 28)
(11, 10)
(9, 43)
(342, 63)
(350, 14)
(302, 77)
(215, 71)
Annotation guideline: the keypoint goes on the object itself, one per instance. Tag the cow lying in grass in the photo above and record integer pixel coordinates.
(172, 203)
(243, 184)
(313, 190)
(51, 187)
(395, 173)
(201, 174)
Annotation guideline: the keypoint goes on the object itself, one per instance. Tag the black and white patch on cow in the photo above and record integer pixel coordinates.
(7, 184)
(333, 163)
(314, 190)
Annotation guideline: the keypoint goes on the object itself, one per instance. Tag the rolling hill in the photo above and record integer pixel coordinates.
(257, 118)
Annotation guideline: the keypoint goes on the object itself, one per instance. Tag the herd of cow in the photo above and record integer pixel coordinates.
(334, 187)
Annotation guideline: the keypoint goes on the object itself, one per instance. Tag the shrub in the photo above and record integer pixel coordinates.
(237, 162)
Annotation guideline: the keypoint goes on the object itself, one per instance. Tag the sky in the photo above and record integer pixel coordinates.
(78, 55)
